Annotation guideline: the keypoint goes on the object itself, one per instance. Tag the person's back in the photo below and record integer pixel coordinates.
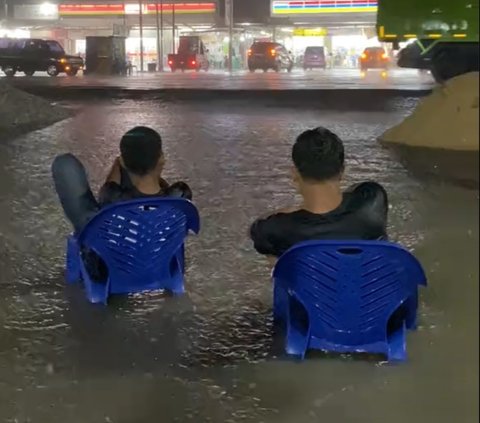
(326, 212)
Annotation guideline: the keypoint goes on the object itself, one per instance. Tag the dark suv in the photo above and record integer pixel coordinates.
(268, 55)
(32, 55)
(314, 57)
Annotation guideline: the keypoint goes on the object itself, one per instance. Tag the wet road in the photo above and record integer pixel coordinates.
(209, 356)
(401, 79)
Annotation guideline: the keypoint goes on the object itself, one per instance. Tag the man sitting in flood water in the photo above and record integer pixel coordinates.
(359, 213)
(136, 173)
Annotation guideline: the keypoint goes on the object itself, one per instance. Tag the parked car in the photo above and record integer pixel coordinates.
(191, 55)
(29, 55)
(314, 57)
(269, 55)
(374, 58)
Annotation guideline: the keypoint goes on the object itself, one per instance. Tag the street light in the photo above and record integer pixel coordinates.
(173, 26)
(140, 23)
(159, 19)
(229, 18)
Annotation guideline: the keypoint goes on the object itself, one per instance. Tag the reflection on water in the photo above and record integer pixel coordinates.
(209, 356)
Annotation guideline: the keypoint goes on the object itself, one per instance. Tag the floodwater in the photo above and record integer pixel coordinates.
(209, 356)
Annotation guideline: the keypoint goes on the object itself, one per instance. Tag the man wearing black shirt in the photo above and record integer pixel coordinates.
(136, 173)
(359, 213)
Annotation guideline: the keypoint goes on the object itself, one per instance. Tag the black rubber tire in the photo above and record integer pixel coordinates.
(9, 71)
(52, 71)
(451, 61)
(29, 72)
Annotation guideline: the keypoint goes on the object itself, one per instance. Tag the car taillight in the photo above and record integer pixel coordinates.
(194, 62)
(273, 52)
(363, 56)
(249, 52)
(384, 56)
(170, 62)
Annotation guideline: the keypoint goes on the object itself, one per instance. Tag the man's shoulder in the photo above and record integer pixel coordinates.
(271, 234)
(110, 193)
(275, 224)
(279, 217)
(366, 192)
(367, 186)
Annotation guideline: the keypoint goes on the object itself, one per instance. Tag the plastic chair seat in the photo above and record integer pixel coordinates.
(347, 297)
(138, 245)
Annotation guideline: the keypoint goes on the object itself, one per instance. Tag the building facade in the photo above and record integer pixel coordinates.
(343, 27)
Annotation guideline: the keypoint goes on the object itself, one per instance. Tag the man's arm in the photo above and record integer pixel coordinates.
(266, 235)
(164, 185)
(115, 172)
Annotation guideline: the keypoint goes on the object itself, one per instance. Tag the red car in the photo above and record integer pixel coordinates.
(374, 58)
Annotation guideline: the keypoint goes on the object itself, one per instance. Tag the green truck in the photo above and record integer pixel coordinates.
(444, 34)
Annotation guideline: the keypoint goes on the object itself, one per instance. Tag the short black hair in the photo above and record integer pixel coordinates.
(318, 155)
(141, 148)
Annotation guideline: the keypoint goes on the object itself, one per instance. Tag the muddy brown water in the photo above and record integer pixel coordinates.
(209, 356)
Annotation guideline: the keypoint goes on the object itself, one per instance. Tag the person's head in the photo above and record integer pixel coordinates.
(319, 157)
(141, 151)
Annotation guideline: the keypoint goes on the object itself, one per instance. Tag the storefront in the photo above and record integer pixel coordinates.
(343, 27)
(70, 23)
(325, 11)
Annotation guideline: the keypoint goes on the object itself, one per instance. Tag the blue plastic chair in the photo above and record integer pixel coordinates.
(347, 297)
(141, 245)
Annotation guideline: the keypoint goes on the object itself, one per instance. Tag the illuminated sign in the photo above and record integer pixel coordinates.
(44, 11)
(132, 9)
(312, 7)
(310, 32)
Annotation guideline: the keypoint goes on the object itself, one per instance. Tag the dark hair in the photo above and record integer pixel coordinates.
(141, 148)
(318, 155)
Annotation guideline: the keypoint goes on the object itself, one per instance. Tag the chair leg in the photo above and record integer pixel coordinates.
(296, 343)
(97, 293)
(181, 257)
(297, 336)
(280, 304)
(411, 308)
(72, 268)
(176, 282)
(397, 345)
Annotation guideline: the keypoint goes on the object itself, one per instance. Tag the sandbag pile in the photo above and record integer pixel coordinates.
(447, 119)
(20, 110)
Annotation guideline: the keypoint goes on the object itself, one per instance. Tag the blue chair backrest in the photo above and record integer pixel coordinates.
(349, 289)
(138, 239)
